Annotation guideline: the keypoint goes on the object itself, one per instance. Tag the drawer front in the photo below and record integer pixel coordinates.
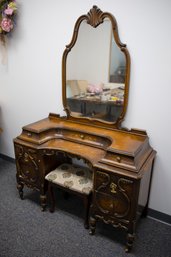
(119, 160)
(113, 194)
(85, 138)
(27, 166)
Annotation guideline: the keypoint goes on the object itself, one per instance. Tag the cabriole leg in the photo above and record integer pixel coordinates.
(92, 225)
(129, 243)
(20, 190)
(43, 202)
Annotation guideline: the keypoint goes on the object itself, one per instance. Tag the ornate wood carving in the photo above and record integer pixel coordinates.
(116, 189)
(116, 196)
(95, 16)
(27, 165)
(51, 152)
(114, 223)
(48, 152)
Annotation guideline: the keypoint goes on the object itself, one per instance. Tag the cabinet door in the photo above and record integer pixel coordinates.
(113, 194)
(27, 166)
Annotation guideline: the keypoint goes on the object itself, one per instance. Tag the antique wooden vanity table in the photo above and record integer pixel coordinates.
(121, 160)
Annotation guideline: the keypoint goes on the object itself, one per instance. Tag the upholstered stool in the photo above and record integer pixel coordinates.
(72, 178)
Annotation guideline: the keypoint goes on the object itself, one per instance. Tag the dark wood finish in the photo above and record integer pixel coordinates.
(32, 166)
(119, 160)
(94, 18)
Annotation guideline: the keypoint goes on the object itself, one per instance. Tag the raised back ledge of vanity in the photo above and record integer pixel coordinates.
(69, 134)
(111, 139)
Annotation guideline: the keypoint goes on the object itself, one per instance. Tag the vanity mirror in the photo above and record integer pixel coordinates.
(95, 71)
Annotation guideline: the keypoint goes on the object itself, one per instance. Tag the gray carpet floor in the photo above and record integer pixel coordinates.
(25, 231)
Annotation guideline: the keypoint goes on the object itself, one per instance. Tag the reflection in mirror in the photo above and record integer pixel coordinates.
(95, 74)
(117, 64)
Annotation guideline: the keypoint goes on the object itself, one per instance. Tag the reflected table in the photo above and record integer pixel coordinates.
(95, 107)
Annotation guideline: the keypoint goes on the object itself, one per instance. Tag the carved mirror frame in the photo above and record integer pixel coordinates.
(94, 18)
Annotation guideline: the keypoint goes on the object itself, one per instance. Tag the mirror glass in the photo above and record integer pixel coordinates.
(95, 74)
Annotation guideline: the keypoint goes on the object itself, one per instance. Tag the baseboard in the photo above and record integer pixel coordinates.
(7, 158)
(159, 216)
(151, 213)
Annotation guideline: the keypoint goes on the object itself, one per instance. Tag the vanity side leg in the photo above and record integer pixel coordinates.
(20, 189)
(130, 237)
(145, 210)
(129, 243)
(133, 217)
(92, 219)
(92, 225)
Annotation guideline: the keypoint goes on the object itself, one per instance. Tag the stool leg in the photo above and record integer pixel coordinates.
(86, 206)
(52, 197)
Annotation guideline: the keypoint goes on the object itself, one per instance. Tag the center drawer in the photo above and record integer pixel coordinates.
(85, 138)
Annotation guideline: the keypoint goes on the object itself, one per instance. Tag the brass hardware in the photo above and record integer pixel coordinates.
(26, 157)
(113, 187)
(82, 136)
(118, 159)
(111, 206)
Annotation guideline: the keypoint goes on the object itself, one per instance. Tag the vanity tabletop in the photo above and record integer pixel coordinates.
(119, 141)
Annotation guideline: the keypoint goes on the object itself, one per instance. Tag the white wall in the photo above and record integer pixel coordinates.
(30, 86)
(92, 67)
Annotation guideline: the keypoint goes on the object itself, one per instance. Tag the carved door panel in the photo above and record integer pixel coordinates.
(113, 194)
(27, 166)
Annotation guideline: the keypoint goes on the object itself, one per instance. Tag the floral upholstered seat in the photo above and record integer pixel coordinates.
(73, 177)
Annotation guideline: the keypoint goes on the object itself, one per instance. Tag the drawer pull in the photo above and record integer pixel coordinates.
(82, 136)
(113, 187)
(118, 159)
